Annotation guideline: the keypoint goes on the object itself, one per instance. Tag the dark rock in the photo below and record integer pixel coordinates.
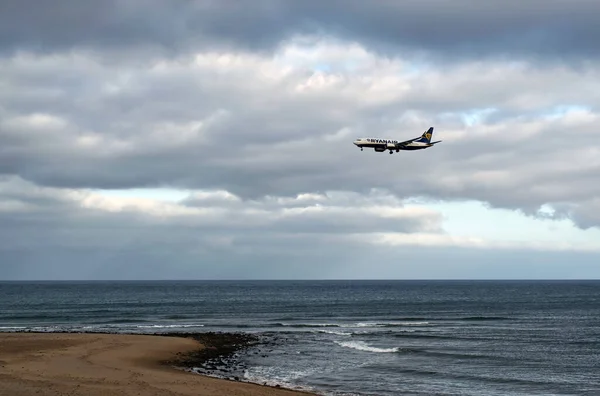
(220, 353)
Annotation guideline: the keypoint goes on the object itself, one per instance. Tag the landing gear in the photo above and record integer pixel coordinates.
(361, 149)
(391, 152)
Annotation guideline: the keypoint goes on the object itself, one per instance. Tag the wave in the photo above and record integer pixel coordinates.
(446, 319)
(453, 356)
(350, 325)
(393, 324)
(300, 325)
(170, 326)
(363, 346)
(272, 376)
(121, 321)
(484, 318)
(342, 333)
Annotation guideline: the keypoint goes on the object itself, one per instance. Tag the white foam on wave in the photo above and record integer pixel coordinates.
(342, 333)
(391, 324)
(358, 324)
(168, 326)
(47, 329)
(408, 324)
(363, 346)
(272, 376)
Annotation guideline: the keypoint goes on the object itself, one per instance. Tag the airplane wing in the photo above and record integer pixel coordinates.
(404, 143)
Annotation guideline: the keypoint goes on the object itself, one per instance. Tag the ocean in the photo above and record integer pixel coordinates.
(354, 337)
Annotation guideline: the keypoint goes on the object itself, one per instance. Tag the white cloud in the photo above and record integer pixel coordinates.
(425, 240)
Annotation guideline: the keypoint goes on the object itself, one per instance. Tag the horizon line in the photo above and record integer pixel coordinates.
(304, 280)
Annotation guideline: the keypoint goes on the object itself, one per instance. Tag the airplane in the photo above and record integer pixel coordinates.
(381, 145)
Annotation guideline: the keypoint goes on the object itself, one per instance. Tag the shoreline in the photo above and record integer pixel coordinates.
(72, 362)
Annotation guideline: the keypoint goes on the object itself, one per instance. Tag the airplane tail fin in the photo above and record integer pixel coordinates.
(426, 136)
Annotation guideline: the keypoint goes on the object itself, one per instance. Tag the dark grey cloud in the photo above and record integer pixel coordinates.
(545, 28)
(586, 214)
(50, 233)
(53, 217)
(35, 217)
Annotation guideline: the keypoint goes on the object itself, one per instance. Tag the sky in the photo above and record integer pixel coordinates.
(164, 139)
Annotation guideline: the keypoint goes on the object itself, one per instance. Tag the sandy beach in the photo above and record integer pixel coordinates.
(108, 364)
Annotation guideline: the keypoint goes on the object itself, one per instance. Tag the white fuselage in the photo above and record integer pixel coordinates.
(388, 144)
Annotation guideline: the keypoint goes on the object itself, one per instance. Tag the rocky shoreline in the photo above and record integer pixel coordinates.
(220, 355)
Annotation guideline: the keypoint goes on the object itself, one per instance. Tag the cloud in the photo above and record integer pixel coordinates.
(426, 240)
(586, 214)
(98, 218)
(548, 29)
(249, 113)
(253, 125)
(206, 233)
(83, 234)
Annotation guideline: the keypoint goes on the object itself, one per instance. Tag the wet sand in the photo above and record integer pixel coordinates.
(47, 364)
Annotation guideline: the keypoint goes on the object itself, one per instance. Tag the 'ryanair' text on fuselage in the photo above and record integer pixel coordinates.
(381, 141)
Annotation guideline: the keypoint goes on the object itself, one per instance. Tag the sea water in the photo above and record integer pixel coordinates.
(354, 337)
